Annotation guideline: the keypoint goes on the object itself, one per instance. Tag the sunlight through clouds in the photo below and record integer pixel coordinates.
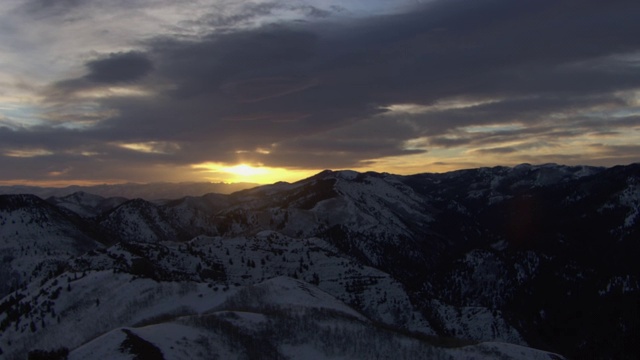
(249, 173)
(152, 147)
(277, 90)
(27, 153)
(441, 105)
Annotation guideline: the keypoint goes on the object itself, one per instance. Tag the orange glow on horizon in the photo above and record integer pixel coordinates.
(249, 173)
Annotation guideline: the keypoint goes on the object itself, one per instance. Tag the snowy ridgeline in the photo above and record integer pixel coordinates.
(477, 264)
(280, 317)
(268, 293)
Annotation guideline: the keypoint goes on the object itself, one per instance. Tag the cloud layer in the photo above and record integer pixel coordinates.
(455, 83)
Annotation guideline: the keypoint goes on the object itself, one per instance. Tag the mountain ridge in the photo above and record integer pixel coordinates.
(150, 191)
(540, 256)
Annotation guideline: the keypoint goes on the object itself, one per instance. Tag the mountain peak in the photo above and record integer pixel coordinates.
(503, 254)
(19, 201)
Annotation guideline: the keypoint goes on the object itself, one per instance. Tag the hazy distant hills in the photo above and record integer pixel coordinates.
(489, 263)
(150, 191)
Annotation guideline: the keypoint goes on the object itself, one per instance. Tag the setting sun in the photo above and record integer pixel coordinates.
(245, 170)
(249, 173)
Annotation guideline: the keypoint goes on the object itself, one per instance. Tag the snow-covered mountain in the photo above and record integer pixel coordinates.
(151, 191)
(86, 205)
(481, 263)
(284, 318)
(37, 240)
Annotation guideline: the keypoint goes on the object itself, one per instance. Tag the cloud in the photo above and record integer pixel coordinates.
(119, 67)
(46, 8)
(233, 15)
(498, 150)
(484, 78)
(114, 69)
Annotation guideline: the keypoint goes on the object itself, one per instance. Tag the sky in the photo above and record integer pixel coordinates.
(112, 91)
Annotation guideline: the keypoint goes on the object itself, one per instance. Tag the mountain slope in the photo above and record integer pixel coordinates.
(282, 318)
(541, 256)
(36, 240)
(86, 205)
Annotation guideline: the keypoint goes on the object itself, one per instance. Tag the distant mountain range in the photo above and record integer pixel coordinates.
(150, 191)
(488, 263)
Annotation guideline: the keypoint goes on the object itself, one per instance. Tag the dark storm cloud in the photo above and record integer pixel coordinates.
(122, 68)
(207, 66)
(119, 67)
(313, 94)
